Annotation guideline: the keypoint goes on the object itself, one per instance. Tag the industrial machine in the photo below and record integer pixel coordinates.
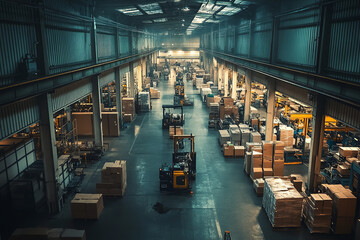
(172, 119)
(182, 171)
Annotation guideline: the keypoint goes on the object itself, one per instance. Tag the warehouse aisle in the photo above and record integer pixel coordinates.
(223, 196)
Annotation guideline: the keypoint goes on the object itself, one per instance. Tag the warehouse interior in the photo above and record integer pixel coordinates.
(179, 119)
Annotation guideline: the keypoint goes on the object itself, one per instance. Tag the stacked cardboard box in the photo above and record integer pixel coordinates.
(247, 163)
(287, 136)
(209, 100)
(317, 213)
(128, 105)
(258, 185)
(245, 136)
(282, 203)
(154, 93)
(297, 180)
(343, 208)
(87, 206)
(179, 131)
(255, 137)
(348, 152)
(235, 136)
(239, 151)
(229, 150)
(278, 162)
(343, 169)
(251, 145)
(113, 179)
(224, 137)
(229, 110)
(268, 152)
(256, 164)
(48, 234)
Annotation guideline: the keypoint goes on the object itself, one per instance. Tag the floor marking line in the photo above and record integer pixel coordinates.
(217, 223)
(137, 135)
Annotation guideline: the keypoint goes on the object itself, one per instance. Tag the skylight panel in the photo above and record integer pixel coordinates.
(152, 8)
(198, 20)
(159, 20)
(130, 11)
(208, 8)
(229, 11)
(212, 21)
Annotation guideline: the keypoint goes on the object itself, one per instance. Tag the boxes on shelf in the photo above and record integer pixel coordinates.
(113, 179)
(179, 131)
(317, 213)
(282, 203)
(86, 206)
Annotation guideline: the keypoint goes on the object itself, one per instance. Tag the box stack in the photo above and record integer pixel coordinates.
(256, 164)
(224, 137)
(287, 136)
(251, 145)
(48, 234)
(268, 151)
(179, 131)
(87, 206)
(344, 169)
(297, 180)
(317, 213)
(229, 150)
(343, 208)
(154, 93)
(113, 179)
(278, 162)
(282, 203)
(255, 137)
(239, 151)
(209, 99)
(144, 101)
(247, 163)
(258, 185)
(235, 136)
(214, 108)
(128, 105)
(245, 136)
(348, 152)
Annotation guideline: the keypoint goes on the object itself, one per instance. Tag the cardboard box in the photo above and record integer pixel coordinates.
(268, 172)
(239, 151)
(113, 179)
(255, 137)
(256, 173)
(258, 185)
(84, 123)
(348, 151)
(87, 206)
(127, 118)
(278, 166)
(256, 159)
(247, 162)
(343, 170)
(179, 131)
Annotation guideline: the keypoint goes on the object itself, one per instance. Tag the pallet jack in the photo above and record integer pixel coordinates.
(182, 171)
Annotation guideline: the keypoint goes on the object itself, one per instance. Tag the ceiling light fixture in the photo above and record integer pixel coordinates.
(185, 9)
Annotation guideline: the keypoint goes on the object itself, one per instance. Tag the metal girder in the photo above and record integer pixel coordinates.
(334, 88)
(38, 86)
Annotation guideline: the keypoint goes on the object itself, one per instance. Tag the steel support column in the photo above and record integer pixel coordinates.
(49, 152)
(247, 96)
(131, 86)
(216, 71)
(118, 92)
(269, 130)
(318, 123)
(41, 48)
(234, 82)
(226, 81)
(97, 119)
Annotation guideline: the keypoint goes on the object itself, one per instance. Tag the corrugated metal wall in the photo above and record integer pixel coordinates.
(343, 112)
(242, 39)
(69, 94)
(17, 38)
(344, 57)
(261, 39)
(106, 43)
(17, 116)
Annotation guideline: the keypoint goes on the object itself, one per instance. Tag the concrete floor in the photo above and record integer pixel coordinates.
(223, 197)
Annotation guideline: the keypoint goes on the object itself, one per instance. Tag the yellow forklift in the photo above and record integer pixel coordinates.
(182, 171)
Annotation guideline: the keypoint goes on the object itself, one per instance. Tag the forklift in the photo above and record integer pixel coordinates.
(172, 119)
(182, 171)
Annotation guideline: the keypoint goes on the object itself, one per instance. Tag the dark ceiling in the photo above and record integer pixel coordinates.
(173, 16)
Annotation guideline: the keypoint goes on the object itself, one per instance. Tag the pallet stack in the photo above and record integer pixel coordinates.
(259, 187)
(256, 163)
(87, 206)
(317, 213)
(268, 152)
(287, 136)
(113, 179)
(282, 203)
(278, 161)
(128, 105)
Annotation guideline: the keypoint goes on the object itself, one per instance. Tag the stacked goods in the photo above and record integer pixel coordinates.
(278, 162)
(297, 181)
(229, 150)
(247, 163)
(256, 164)
(209, 99)
(48, 234)
(255, 137)
(287, 136)
(113, 179)
(179, 131)
(348, 152)
(243, 126)
(228, 108)
(251, 145)
(239, 151)
(245, 136)
(268, 151)
(144, 101)
(224, 137)
(214, 108)
(343, 208)
(317, 213)
(87, 206)
(282, 203)
(128, 105)
(154, 93)
(258, 185)
(344, 169)
(235, 136)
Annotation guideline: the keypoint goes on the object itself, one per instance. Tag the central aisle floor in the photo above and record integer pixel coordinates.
(223, 196)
